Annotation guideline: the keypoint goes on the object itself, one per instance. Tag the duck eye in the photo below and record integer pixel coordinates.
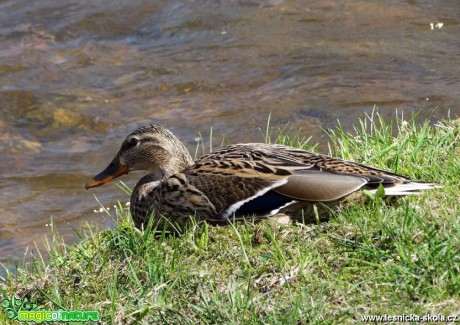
(133, 142)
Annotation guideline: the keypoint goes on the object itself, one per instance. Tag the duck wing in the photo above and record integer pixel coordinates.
(262, 179)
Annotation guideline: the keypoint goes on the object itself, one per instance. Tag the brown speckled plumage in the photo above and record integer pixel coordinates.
(258, 180)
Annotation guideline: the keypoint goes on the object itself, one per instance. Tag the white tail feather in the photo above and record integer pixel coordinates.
(410, 188)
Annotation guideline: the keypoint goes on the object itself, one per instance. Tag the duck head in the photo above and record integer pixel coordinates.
(152, 148)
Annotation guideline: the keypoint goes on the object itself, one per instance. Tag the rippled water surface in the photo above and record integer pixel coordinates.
(77, 76)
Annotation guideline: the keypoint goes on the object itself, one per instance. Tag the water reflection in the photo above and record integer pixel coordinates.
(76, 77)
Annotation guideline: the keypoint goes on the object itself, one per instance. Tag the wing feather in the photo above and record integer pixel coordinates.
(320, 186)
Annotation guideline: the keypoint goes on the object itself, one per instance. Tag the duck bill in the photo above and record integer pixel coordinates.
(114, 170)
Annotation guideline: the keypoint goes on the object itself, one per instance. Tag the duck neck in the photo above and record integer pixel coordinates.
(177, 163)
(177, 168)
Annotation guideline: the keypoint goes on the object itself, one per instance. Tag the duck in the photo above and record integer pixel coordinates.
(241, 181)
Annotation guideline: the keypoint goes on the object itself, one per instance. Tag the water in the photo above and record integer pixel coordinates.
(77, 76)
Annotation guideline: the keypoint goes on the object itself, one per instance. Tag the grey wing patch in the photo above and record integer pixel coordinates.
(320, 186)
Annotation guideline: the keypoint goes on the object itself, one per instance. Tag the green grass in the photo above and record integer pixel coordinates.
(369, 259)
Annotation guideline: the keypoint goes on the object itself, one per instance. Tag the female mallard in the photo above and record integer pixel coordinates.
(254, 179)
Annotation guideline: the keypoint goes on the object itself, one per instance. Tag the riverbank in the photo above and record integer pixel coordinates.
(370, 259)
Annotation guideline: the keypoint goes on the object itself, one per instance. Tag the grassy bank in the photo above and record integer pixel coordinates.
(370, 259)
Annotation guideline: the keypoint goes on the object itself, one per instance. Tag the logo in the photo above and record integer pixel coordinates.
(23, 310)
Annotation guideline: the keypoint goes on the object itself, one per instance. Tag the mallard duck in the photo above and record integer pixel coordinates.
(242, 180)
